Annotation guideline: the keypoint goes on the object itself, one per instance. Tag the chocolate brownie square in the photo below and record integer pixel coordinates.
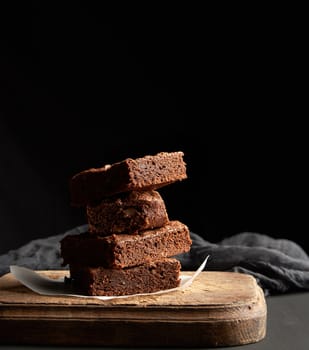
(128, 213)
(141, 174)
(149, 277)
(123, 250)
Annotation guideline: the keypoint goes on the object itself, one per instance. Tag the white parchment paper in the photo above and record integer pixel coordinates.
(48, 286)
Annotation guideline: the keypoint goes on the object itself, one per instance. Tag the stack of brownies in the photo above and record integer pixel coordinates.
(131, 243)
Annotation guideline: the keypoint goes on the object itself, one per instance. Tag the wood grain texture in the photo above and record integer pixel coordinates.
(218, 309)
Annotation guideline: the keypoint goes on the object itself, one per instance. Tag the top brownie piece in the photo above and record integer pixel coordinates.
(147, 173)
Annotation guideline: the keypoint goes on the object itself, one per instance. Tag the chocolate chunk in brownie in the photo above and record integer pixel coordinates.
(146, 173)
(123, 250)
(128, 213)
(147, 278)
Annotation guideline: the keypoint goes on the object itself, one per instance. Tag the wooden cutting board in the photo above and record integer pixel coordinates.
(218, 309)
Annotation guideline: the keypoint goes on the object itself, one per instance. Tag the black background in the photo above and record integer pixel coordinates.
(83, 86)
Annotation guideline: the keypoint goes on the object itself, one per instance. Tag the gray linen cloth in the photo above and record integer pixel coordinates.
(279, 265)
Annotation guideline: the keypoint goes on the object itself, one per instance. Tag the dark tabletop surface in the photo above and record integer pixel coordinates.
(287, 326)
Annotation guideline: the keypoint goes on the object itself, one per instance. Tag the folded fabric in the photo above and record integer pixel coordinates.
(279, 265)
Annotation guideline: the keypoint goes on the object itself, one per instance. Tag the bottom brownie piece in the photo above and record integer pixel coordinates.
(146, 278)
